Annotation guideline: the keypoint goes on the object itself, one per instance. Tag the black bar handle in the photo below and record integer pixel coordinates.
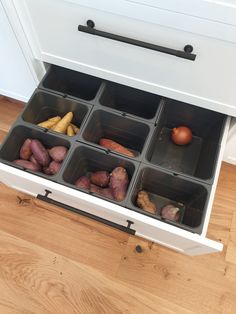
(185, 54)
(126, 229)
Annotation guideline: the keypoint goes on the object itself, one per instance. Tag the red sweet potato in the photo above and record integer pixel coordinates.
(119, 182)
(25, 151)
(112, 145)
(58, 153)
(106, 192)
(83, 183)
(53, 168)
(100, 178)
(40, 153)
(27, 164)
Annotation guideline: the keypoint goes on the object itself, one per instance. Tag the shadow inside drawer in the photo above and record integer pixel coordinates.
(71, 83)
(130, 100)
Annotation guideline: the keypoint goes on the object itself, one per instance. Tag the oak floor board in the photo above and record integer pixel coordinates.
(57, 284)
(61, 231)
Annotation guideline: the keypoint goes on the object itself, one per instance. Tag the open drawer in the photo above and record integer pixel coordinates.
(119, 116)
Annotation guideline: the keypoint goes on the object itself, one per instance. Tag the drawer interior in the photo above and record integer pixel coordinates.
(44, 105)
(130, 133)
(199, 157)
(130, 100)
(163, 188)
(138, 121)
(71, 83)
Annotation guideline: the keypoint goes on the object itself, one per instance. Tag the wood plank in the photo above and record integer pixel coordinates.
(9, 111)
(179, 278)
(60, 231)
(35, 280)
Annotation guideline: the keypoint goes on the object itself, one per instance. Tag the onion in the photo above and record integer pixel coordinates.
(170, 212)
(181, 135)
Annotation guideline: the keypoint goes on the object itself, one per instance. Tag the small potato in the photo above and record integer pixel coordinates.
(53, 168)
(25, 151)
(40, 153)
(32, 159)
(119, 182)
(70, 131)
(76, 129)
(100, 178)
(58, 153)
(95, 189)
(48, 124)
(83, 183)
(27, 164)
(62, 125)
(107, 192)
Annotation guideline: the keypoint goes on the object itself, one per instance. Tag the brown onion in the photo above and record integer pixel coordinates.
(181, 135)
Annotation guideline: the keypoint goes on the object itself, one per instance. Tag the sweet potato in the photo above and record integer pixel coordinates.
(40, 153)
(70, 131)
(62, 125)
(53, 168)
(107, 192)
(100, 178)
(112, 145)
(25, 151)
(32, 159)
(27, 164)
(143, 202)
(58, 153)
(75, 128)
(48, 124)
(119, 182)
(83, 182)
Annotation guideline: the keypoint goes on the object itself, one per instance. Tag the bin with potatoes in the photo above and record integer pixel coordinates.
(33, 150)
(94, 171)
(113, 132)
(56, 114)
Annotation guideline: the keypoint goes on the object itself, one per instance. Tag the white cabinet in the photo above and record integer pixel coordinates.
(230, 150)
(16, 78)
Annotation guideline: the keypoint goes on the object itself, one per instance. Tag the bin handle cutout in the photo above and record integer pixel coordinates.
(186, 53)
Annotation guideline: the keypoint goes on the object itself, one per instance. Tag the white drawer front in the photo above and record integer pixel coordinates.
(209, 81)
(146, 227)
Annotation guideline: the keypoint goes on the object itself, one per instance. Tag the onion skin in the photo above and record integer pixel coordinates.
(181, 135)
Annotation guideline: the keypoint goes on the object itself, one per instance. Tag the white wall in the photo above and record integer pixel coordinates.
(16, 79)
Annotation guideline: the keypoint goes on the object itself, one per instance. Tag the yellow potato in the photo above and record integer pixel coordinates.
(70, 131)
(75, 128)
(63, 124)
(48, 124)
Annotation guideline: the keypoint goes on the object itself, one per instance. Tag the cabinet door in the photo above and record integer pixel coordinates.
(16, 79)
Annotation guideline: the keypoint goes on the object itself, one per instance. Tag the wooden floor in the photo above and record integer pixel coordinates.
(54, 261)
